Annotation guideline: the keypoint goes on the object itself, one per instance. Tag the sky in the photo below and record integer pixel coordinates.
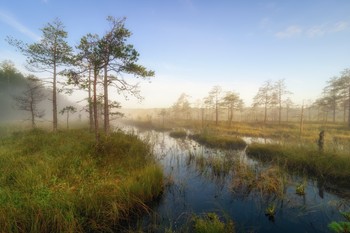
(193, 45)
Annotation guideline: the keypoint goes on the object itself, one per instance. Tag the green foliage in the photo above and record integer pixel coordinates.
(211, 223)
(339, 227)
(63, 182)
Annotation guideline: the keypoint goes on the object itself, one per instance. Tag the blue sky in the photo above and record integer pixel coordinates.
(194, 45)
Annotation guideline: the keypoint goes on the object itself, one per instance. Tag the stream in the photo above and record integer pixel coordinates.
(196, 187)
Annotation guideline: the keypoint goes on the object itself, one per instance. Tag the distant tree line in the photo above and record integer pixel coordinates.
(271, 103)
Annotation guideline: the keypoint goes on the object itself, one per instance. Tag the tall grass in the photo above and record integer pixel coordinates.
(328, 165)
(219, 141)
(63, 182)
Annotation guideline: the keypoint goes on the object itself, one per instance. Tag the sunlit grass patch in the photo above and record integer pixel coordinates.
(63, 182)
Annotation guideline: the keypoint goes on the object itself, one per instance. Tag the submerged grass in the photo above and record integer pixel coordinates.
(63, 182)
(328, 165)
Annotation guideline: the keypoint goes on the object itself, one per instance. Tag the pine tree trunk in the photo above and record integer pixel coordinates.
(91, 118)
(97, 135)
(54, 99)
(349, 109)
(106, 107)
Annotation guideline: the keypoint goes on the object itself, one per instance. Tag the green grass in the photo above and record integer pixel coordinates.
(329, 165)
(63, 182)
(219, 141)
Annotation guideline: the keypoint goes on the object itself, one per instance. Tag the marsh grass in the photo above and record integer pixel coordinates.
(211, 223)
(266, 181)
(178, 134)
(305, 159)
(219, 141)
(63, 182)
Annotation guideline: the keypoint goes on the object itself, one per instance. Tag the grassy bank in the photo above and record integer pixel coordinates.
(219, 141)
(62, 182)
(331, 166)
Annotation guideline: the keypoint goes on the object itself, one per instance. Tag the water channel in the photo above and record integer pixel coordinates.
(196, 188)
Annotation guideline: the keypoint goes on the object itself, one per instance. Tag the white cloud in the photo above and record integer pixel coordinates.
(11, 21)
(316, 31)
(291, 31)
(340, 26)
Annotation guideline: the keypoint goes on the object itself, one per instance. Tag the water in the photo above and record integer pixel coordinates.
(197, 189)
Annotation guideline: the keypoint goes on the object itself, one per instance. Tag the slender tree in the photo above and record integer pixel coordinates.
(89, 52)
(119, 58)
(233, 102)
(214, 99)
(47, 55)
(265, 97)
(182, 106)
(280, 90)
(67, 110)
(30, 98)
(343, 85)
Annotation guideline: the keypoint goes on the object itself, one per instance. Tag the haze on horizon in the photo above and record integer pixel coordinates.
(193, 45)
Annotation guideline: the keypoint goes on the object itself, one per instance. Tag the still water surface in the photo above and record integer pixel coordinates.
(195, 189)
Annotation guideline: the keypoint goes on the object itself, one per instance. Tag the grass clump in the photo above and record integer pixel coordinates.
(219, 141)
(178, 134)
(211, 223)
(63, 182)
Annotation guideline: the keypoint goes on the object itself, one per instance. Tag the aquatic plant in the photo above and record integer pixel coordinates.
(270, 180)
(300, 189)
(210, 223)
(270, 212)
(339, 227)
